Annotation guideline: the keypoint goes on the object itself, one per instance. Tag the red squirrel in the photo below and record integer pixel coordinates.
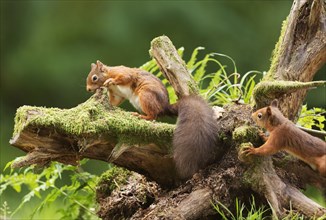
(284, 135)
(195, 136)
(143, 90)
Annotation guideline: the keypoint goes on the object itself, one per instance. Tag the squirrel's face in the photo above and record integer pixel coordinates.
(96, 77)
(268, 117)
(260, 117)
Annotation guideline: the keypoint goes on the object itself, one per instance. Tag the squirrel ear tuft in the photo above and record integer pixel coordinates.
(93, 65)
(274, 103)
(99, 63)
(269, 110)
(100, 66)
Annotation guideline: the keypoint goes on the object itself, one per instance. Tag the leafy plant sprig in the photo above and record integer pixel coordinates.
(312, 117)
(78, 196)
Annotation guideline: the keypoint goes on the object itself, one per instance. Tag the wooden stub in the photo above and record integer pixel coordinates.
(172, 66)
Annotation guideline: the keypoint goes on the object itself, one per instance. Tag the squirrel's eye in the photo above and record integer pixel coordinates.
(260, 115)
(94, 78)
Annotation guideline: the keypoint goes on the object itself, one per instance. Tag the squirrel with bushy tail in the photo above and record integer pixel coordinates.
(195, 136)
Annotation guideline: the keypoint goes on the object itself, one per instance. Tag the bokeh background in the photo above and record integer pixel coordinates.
(47, 46)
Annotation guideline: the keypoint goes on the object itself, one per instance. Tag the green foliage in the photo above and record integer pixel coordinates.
(241, 212)
(5, 210)
(77, 197)
(216, 84)
(220, 86)
(254, 213)
(312, 117)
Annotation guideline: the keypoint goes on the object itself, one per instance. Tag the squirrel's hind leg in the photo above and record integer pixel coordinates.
(150, 105)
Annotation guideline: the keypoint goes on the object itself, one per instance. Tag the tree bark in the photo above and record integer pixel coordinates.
(172, 66)
(97, 130)
(299, 53)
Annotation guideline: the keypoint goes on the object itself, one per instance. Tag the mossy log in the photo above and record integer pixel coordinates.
(96, 130)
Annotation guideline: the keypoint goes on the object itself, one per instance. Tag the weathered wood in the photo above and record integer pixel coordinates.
(197, 203)
(95, 130)
(266, 91)
(299, 53)
(173, 67)
(262, 177)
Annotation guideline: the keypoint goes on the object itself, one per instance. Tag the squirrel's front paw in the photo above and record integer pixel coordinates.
(108, 82)
(263, 135)
(248, 150)
(245, 150)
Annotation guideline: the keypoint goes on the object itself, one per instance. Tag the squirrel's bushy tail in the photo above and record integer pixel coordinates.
(195, 136)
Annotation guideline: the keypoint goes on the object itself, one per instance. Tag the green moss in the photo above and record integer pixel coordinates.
(94, 117)
(111, 179)
(278, 50)
(193, 87)
(245, 133)
(223, 137)
(249, 178)
(156, 43)
(265, 91)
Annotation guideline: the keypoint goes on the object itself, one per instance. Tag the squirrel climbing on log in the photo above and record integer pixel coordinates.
(195, 136)
(285, 135)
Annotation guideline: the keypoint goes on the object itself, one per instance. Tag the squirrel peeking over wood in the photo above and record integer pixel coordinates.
(195, 136)
(285, 135)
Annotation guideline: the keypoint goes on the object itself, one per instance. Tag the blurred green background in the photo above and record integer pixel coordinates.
(47, 46)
